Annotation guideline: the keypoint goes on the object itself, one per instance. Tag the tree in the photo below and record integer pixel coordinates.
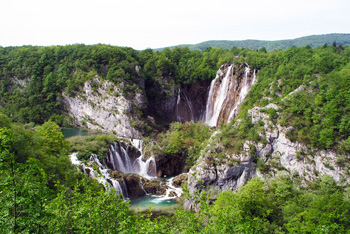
(52, 138)
(24, 190)
(52, 151)
(262, 50)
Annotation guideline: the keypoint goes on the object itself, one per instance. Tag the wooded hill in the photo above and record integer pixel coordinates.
(314, 41)
(41, 192)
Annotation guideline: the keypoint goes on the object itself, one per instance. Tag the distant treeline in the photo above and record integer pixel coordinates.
(314, 41)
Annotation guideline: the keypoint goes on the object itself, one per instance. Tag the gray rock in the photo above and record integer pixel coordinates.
(103, 109)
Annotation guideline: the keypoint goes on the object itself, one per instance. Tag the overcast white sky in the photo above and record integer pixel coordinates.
(145, 24)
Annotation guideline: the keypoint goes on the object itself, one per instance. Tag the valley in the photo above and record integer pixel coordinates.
(241, 140)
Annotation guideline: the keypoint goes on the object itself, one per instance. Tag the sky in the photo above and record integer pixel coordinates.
(142, 24)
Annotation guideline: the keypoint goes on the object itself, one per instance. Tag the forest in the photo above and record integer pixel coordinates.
(314, 41)
(42, 192)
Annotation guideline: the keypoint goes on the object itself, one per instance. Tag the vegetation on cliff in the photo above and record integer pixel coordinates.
(45, 196)
(42, 192)
(94, 144)
(33, 79)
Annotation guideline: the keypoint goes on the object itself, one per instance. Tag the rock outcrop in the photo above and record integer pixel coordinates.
(170, 165)
(100, 105)
(191, 102)
(270, 156)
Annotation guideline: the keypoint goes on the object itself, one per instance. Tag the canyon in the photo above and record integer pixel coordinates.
(133, 175)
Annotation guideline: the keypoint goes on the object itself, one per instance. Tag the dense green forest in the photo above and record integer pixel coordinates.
(313, 41)
(33, 80)
(41, 192)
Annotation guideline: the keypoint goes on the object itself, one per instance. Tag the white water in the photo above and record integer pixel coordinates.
(214, 106)
(189, 104)
(120, 160)
(168, 194)
(244, 91)
(171, 188)
(74, 159)
(102, 176)
(143, 168)
(220, 92)
(178, 102)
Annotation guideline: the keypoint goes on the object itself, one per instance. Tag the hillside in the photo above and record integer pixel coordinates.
(314, 41)
(259, 141)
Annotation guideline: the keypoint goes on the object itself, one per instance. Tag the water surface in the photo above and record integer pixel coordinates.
(70, 132)
(157, 202)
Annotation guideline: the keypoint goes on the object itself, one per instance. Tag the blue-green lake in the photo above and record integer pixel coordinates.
(70, 132)
(157, 203)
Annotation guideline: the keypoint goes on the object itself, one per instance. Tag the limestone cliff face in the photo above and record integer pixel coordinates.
(276, 155)
(104, 108)
(213, 102)
(170, 165)
(191, 102)
(179, 103)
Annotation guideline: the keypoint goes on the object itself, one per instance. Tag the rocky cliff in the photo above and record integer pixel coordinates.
(191, 102)
(273, 154)
(215, 102)
(101, 105)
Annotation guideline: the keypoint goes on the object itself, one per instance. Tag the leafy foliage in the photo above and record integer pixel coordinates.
(94, 144)
(29, 204)
(188, 138)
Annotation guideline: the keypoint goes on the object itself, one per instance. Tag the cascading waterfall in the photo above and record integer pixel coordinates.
(215, 103)
(244, 91)
(226, 95)
(143, 168)
(102, 176)
(119, 159)
(171, 193)
(122, 162)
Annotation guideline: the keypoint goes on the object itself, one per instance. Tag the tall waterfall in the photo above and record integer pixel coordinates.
(244, 91)
(227, 92)
(178, 103)
(187, 102)
(217, 97)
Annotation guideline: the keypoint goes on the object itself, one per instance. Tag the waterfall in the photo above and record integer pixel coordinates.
(170, 190)
(74, 159)
(179, 118)
(143, 168)
(120, 188)
(141, 185)
(189, 104)
(121, 161)
(244, 91)
(215, 103)
(102, 176)
(178, 102)
(227, 94)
